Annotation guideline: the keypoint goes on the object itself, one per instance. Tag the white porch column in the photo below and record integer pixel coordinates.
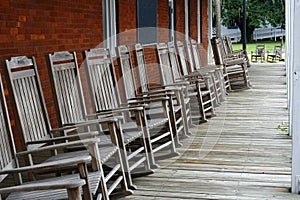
(187, 20)
(199, 31)
(294, 63)
(289, 55)
(209, 10)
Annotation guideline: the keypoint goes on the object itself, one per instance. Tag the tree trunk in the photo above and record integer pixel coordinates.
(249, 32)
(218, 18)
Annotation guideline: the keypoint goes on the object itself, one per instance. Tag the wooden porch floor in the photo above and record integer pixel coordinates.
(237, 155)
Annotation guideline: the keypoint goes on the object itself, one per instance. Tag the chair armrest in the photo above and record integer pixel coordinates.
(171, 87)
(49, 165)
(118, 110)
(153, 98)
(52, 185)
(91, 122)
(60, 146)
(64, 138)
(157, 91)
(65, 129)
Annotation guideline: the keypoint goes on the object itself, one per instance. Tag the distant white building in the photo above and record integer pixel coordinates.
(258, 34)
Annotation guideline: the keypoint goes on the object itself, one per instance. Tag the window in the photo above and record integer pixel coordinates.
(109, 24)
(147, 21)
(172, 24)
(187, 19)
(199, 21)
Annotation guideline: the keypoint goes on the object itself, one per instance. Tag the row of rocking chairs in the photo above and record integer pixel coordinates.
(96, 155)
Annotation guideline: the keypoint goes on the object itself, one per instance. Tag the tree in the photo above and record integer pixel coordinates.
(259, 12)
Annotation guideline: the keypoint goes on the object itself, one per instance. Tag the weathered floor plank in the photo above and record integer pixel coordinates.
(239, 154)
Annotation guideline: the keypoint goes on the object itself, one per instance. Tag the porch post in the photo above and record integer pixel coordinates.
(218, 18)
(294, 29)
(289, 56)
(187, 20)
(209, 10)
(199, 20)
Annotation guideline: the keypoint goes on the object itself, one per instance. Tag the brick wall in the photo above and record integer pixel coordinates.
(163, 20)
(127, 21)
(37, 28)
(203, 47)
(179, 19)
(193, 19)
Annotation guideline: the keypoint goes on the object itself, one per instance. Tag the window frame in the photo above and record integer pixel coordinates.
(109, 25)
(139, 38)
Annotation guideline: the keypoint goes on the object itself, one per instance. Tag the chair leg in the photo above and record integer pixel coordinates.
(149, 163)
(148, 143)
(184, 113)
(173, 136)
(173, 122)
(74, 193)
(200, 103)
(126, 182)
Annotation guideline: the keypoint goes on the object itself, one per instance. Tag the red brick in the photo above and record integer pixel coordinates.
(13, 31)
(22, 18)
(37, 28)
(20, 37)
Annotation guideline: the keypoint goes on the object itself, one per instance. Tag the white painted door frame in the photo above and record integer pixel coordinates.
(293, 70)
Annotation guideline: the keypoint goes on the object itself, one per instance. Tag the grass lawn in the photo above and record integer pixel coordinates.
(252, 46)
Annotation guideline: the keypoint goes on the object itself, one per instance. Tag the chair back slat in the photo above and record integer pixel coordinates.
(228, 44)
(141, 67)
(227, 47)
(27, 99)
(7, 148)
(101, 79)
(196, 55)
(67, 86)
(164, 64)
(174, 60)
(182, 57)
(190, 56)
(218, 51)
(127, 71)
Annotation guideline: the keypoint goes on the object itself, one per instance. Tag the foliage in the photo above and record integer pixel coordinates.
(284, 127)
(259, 12)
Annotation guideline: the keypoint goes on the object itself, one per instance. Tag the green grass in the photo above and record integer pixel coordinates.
(252, 46)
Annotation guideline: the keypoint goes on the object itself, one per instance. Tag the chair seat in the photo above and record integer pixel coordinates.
(129, 134)
(105, 153)
(156, 108)
(151, 123)
(94, 177)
